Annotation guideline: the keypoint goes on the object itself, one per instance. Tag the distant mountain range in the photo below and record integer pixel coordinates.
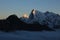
(48, 18)
(37, 21)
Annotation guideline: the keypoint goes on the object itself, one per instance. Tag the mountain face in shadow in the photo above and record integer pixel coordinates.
(31, 16)
(13, 23)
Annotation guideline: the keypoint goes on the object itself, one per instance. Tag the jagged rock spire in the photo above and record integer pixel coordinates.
(32, 14)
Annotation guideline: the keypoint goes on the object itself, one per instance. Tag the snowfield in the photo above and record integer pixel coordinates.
(28, 35)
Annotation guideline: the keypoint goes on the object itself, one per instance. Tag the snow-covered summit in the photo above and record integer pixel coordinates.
(48, 18)
(37, 16)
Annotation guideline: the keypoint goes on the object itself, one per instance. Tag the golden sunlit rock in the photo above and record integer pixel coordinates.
(25, 16)
(34, 12)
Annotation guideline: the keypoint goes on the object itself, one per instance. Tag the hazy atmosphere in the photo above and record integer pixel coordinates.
(20, 7)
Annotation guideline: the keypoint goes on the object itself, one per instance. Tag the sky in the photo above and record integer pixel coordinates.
(20, 7)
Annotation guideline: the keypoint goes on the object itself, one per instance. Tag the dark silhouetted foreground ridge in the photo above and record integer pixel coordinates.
(13, 23)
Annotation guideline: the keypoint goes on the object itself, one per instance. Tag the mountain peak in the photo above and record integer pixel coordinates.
(33, 11)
